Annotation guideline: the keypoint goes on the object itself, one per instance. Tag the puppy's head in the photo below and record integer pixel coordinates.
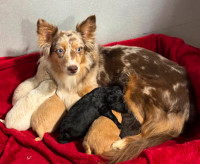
(115, 98)
(69, 51)
(64, 137)
(69, 133)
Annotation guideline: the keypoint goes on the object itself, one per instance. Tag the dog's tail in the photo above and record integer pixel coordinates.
(134, 148)
(3, 121)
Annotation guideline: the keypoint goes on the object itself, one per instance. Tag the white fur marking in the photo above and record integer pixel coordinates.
(162, 57)
(119, 144)
(147, 90)
(173, 68)
(69, 98)
(145, 57)
(176, 86)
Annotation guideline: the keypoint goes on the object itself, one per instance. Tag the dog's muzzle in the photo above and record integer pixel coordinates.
(72, 69)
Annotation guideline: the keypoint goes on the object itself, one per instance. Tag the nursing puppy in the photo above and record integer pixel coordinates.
(100, 137)
(47, 117)
(97, 103)
(19, 116)
(130, 125)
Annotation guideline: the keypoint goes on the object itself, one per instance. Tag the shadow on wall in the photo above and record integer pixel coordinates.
(28, 29)
(145, 17)
(182, 20)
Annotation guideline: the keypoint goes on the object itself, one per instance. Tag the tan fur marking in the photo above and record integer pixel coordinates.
(64, 45)
(85, 90)
(129, 101)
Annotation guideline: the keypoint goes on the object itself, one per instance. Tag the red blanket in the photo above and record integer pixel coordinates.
(20, 147)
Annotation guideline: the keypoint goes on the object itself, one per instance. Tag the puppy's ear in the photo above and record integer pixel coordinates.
(45, 32)
(87, 28)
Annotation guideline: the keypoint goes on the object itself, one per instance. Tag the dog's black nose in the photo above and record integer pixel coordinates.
(73, 69)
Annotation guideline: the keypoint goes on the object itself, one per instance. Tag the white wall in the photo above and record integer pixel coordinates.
(116, 20)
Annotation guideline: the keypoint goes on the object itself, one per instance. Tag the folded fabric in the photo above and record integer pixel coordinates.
(20, 146)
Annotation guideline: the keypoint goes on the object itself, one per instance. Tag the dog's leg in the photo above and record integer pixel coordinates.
(131, 87)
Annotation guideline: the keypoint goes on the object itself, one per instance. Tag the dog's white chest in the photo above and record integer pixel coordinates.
(69, 98)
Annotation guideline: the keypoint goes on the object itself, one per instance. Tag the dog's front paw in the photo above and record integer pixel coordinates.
(119, 144)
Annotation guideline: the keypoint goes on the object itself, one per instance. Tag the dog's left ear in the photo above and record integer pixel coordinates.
(87, 28)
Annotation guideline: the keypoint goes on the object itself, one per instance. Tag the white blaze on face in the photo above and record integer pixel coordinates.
(72, 61)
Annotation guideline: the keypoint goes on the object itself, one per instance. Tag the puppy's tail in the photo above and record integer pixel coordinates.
(134, 148)
(3, 121)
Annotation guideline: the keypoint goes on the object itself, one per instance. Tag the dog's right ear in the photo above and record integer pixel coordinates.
(46, 32)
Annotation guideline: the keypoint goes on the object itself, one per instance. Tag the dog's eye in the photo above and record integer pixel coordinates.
(60, 50)
(79, 49)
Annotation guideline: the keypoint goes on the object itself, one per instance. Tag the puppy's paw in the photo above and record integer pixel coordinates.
(119, 144)
(38, 139)
(3, 121)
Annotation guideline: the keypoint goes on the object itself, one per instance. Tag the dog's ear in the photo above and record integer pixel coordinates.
(87, 28)
(45, 32)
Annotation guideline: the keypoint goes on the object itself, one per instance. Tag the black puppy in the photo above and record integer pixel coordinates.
(130, 125)
(98, 102)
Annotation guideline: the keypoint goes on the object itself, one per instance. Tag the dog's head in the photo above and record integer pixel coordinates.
(68, 50)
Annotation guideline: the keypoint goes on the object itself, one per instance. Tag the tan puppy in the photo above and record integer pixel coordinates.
(102, 133)
(47, 117)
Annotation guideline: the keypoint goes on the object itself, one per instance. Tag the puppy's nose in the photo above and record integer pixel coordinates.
(73, 69)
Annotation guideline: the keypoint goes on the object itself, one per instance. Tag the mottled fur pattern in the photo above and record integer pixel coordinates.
(157, 92)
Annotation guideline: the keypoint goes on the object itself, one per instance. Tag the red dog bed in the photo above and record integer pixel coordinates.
(20, 147)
